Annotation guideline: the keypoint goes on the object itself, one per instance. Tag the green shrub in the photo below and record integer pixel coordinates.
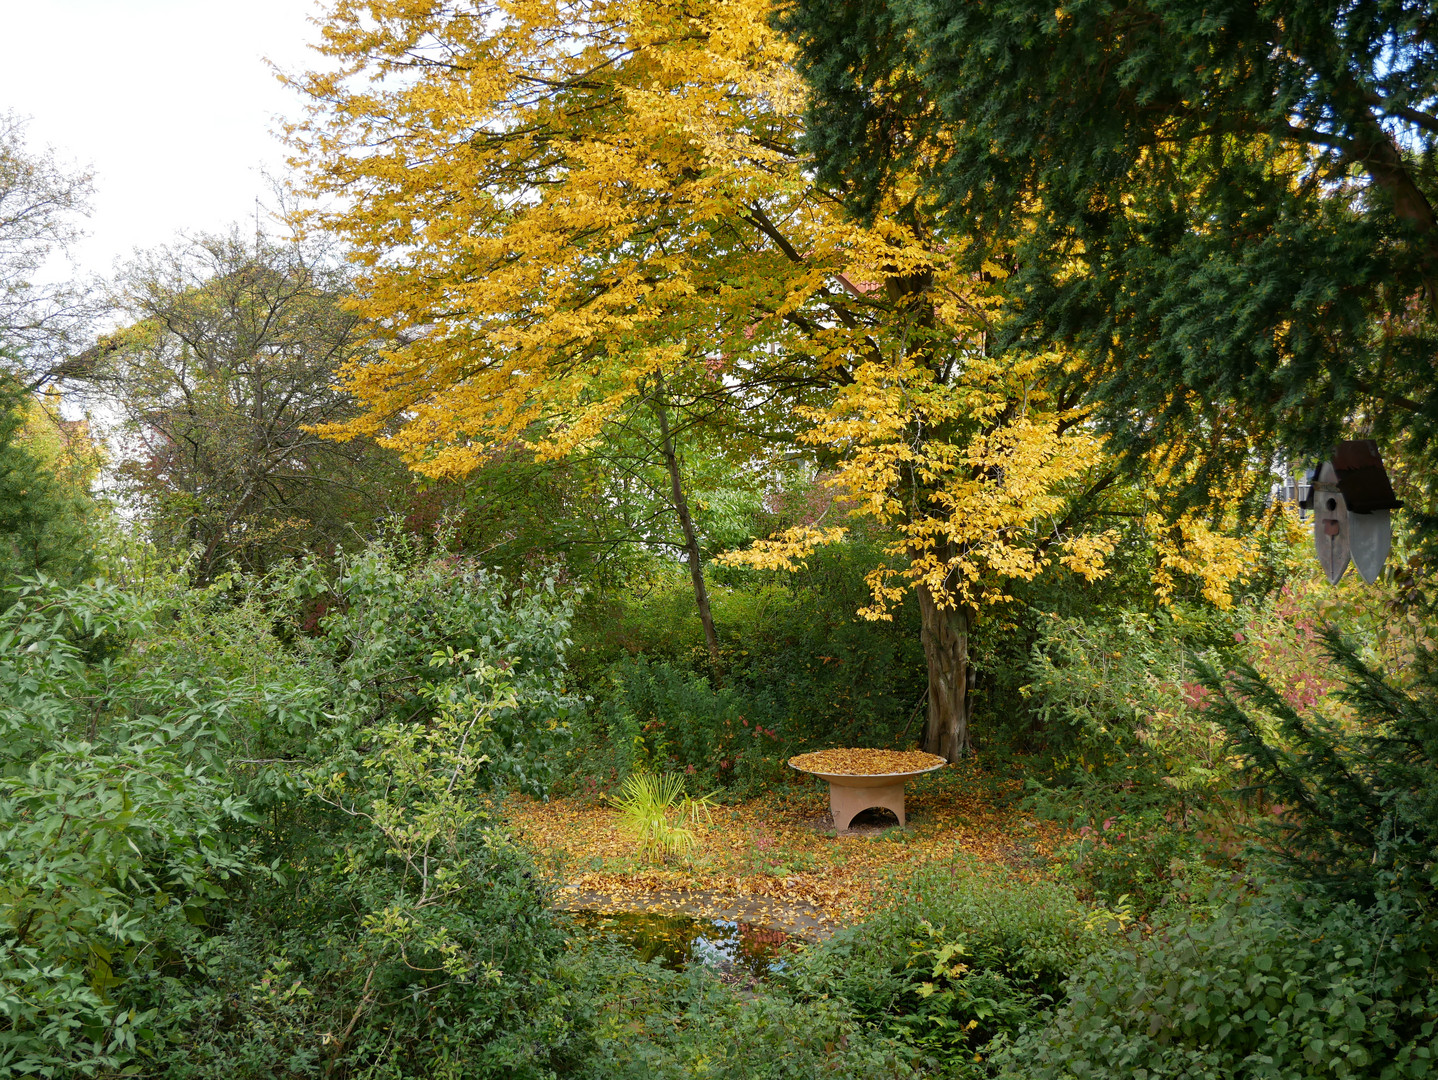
(799, 670)
(960, 961)
(1120, 702)
(405, 985)
(389, 614)
(661, 716)
(1137, 766)
(1331, 973)
(1359, 800)
(655, 1024)
(1270, 986)
(406, 924)
(117, 827)
(275, 854)
(1134, 858)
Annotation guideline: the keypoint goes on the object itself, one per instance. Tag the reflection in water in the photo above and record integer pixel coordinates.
(678, 940)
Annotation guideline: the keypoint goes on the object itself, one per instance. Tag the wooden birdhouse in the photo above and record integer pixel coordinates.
(1330, 523)
(1352, 502)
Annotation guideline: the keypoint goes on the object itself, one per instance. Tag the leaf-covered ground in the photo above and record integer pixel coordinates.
(778, 858)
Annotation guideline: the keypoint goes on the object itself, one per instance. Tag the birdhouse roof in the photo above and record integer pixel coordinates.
(1362, 478)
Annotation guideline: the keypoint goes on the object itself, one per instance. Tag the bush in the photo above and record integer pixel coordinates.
(404, 922)
(1358, 799)
(655, 1024)
(1333, 972)
(391, 618)
(1138, 766)
(1134, 859)
(286, 856)
(799, 671)
(406, 984)
(960, 961)
(117, 827)
(1120, 702)
(1272, 986)
(660, 716)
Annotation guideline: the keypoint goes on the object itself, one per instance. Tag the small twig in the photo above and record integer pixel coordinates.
(267, 761)
(919, 705)
(403, 955)
(349, 1030)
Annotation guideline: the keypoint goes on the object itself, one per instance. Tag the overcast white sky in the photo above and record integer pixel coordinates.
(170, 101)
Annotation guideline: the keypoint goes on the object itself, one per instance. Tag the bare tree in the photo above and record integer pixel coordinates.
(41, 203)
(225, 376)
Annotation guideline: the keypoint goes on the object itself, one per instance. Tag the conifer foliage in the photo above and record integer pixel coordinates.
(1227, 207)
(42, 519)
(1359, 806)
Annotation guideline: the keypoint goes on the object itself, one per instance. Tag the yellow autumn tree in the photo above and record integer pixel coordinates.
(567, 211)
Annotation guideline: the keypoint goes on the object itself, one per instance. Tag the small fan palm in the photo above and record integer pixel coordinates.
(655, 810)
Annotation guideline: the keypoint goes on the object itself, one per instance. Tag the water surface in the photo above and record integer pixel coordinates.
(731, 948)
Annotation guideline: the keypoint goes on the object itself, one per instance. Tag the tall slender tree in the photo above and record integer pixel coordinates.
(44, 317)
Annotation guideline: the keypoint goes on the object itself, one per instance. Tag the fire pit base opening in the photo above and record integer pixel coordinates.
(846, 803)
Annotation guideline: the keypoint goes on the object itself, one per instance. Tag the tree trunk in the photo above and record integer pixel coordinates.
(945, 633)
(686, 524)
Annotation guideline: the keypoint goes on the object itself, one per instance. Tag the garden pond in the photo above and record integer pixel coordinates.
(732, 948)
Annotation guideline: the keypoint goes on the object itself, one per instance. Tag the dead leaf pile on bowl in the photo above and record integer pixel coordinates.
(852, 761)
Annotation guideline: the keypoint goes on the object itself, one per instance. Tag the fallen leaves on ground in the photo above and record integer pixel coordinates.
(781, 848)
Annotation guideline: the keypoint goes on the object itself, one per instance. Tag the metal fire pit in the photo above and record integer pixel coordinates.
(849, 794)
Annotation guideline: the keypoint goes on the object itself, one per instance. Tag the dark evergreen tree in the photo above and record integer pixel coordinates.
(1359, 804)
(1227, 207)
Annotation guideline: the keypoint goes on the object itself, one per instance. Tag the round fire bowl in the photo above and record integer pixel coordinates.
(849, 794)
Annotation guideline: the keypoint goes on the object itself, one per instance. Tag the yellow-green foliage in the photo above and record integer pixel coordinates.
(610, 197)
(657, 813)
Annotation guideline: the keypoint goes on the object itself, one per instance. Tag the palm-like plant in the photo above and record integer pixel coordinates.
(657, 812)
